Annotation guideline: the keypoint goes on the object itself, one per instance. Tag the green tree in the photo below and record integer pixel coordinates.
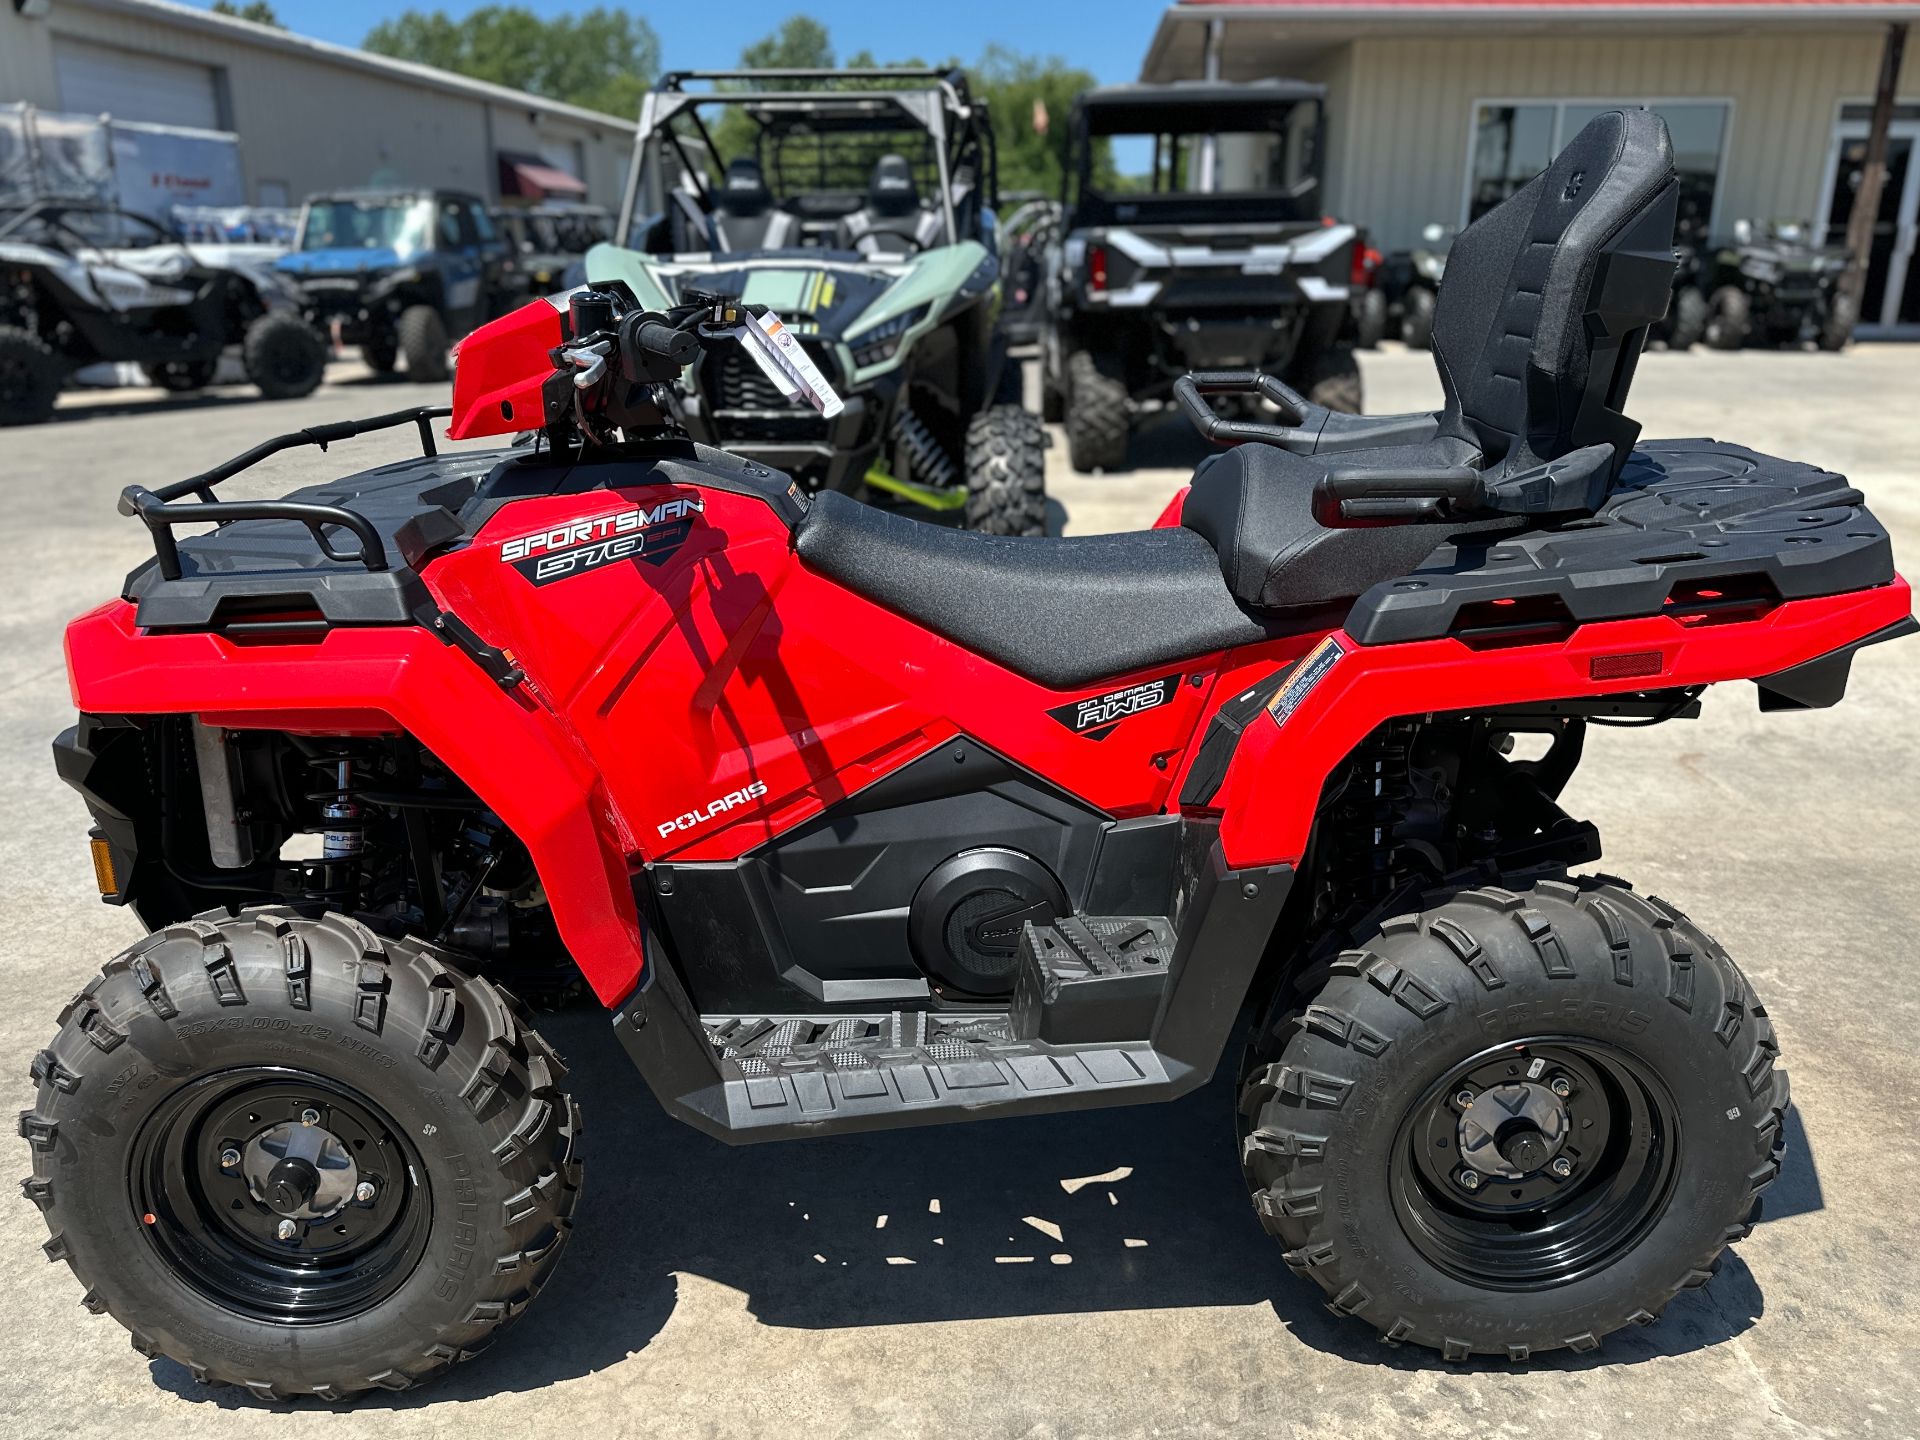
(603, 58)
(801, 43)
(258, 11)
(1023, 94)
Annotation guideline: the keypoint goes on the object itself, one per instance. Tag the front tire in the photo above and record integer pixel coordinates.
(1097, 416)
(1006, 473)
(30, 378)
(184, 1083)
(1688, 323)
(1836, 329)
(422, 336)
(1416, 318)
(285, 356)
(1729, 319)
(1630, 1114)
(1370, 319)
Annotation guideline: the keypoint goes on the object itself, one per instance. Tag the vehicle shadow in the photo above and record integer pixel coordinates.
(1107, 1210)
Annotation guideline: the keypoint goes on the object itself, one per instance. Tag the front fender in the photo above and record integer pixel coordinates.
(512, 752)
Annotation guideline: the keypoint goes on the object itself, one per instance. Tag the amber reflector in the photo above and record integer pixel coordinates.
(103, 875)
(1624, 667)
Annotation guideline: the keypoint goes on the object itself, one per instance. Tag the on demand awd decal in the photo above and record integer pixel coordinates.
(649, 533)
(1096, 716)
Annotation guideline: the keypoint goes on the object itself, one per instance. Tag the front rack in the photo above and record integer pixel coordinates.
(157, 510)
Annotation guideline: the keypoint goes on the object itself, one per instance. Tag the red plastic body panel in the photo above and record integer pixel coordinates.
(703, 691)
(503, 367)
(516, 757)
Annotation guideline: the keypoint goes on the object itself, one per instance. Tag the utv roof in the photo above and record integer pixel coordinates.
(1216, 104)
(844, 98)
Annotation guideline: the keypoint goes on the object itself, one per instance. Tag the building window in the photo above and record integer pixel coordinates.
(1513, 142)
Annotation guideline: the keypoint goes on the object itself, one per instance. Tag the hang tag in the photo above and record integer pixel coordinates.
(784, 360)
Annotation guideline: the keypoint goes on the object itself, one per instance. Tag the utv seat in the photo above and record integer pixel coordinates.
(893, 221)
(744, 213)
(1539, 324)
(1537, 331)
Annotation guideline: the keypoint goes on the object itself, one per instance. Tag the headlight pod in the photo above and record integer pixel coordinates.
(394, 279)
(877, 344)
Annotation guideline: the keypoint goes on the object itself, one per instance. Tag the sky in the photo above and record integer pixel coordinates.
(1107, 37)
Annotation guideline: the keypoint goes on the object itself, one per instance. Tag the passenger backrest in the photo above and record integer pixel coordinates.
(1547, 297)
(744, 212)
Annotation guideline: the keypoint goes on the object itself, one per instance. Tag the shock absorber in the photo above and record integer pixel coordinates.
(343, 839)
(927, 463)
(335, 876)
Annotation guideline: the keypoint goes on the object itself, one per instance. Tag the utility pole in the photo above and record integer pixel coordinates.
(1210, 68)
(1873, 175)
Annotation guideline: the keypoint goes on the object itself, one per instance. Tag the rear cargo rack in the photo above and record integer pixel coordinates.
(156, 508)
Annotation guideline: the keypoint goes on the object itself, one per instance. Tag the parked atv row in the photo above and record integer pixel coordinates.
(83, 284)
(851, 822)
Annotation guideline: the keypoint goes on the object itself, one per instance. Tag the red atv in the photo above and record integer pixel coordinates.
(854, 822)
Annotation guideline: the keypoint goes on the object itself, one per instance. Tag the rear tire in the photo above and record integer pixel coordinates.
(381, 353)
(422, 335)
(1670, 1127)
(1097, 416)
(1332, 379)
(1416, 318)
(1730, 319)
(30, 378)
(426, 1084)
(1007, 473)
(181, 377)
(1836, 331)
(1689, 319)
(285, 356)
(1370, 320)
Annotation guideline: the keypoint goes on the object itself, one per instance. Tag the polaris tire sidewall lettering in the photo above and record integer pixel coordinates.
(731, 800)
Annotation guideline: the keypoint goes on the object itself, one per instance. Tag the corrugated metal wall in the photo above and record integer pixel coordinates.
(312, 125)
(1402, 110)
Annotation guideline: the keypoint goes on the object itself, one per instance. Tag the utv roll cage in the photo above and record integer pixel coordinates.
(1203, 108)
(816, 103)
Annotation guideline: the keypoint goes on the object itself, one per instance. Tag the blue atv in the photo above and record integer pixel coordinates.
(400, 273)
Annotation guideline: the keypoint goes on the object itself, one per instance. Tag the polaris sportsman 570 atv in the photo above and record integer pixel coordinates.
(82, 284)
(858, 206)
(1222, 259)
(1773, 286)
(854, 822)
(400, 273)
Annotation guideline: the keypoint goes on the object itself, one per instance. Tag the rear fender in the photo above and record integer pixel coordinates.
(517, 756)
(1283, 759)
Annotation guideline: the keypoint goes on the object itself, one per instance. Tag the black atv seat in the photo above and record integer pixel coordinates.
(1536, 335)
(1061, 612)
(893, 221)
(744, 213)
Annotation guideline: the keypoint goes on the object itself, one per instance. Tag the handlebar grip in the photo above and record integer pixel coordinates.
(667, 342)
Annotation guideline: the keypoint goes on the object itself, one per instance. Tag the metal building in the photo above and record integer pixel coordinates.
(310, 116)
(1437, 109)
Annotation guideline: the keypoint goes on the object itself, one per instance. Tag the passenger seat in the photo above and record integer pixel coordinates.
(745, 215)
(893, 221)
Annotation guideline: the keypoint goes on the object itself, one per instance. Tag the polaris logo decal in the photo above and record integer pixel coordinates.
(649, 533)
(1097, 716)
(695, 818)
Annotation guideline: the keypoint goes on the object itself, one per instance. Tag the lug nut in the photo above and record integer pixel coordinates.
(1470, 1180)
(309, 1116)
(1561, 1167)
(286, 1229)
(364, 1192)
(1561, 1086)
(229, 1158)
(1464, 1099)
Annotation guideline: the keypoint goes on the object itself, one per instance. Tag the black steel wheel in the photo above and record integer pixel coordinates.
(1536, 1162)
(294, 1155)
(1514, 1121)
(281, 1195)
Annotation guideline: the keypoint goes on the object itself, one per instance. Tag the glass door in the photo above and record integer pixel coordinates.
(1891, 301)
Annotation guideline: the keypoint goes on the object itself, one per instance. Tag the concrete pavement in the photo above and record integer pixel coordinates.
(1099, 1274)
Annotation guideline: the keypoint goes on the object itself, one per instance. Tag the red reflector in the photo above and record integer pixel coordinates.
(1097, 267)
(1625, 667)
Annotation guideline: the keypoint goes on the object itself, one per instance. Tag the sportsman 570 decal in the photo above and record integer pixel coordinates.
(649, 533)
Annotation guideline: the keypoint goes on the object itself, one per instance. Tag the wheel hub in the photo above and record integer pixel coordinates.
(301, 1172)
(1512, 1130)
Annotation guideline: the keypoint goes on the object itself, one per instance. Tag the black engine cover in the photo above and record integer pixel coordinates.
(967, 917)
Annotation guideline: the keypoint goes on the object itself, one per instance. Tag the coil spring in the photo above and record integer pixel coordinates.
(927, 463)
(1363, 842)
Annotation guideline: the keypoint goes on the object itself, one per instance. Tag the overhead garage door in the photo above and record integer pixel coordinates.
(99, 80)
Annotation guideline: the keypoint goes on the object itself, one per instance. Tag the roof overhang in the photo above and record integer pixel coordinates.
(1267, 37)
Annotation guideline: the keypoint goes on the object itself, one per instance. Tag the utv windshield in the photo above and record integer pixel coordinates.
(401, 225)
(1176, 151)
